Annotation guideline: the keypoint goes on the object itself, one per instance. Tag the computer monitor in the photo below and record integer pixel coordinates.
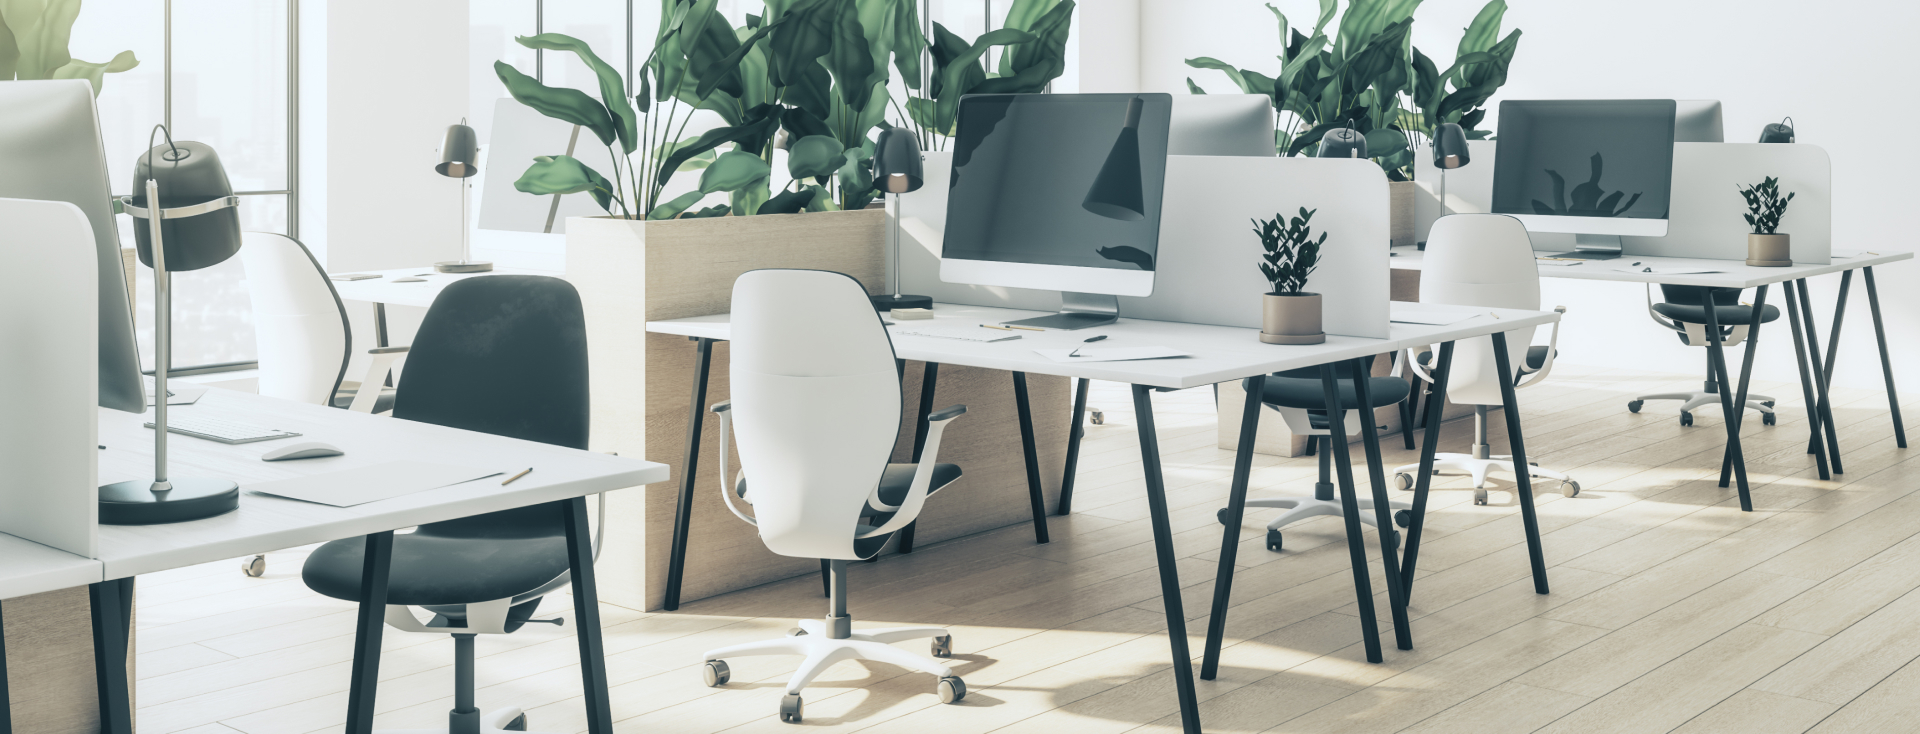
(1698, 121)
(1058, 192)
(50, 149)
(1596, 168)
(1221, 124)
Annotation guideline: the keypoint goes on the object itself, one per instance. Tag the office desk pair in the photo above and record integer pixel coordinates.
(264, 523)
(1219, 354)
(1815, 372)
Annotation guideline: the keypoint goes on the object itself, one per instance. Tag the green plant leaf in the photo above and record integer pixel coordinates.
(856, 174)
(673, 208)
(822, 201)
(717, 210)
(815, 155)
(877, 33)
(789, 202)
(764, 120)
(1239, 80)
(812, 91)
(804, 37)
(963, 73)
(848, 57)
(562, 174)
(1193, 88)
(39, 30)
(732, 65)
(733, 170)
(1366, 19)
(695, 163)
(1482, 33)
(92, 72)
(613, 88)
(748, 199)
(1043, 59)
(908, 42)
(1384, 142)
(559, 103)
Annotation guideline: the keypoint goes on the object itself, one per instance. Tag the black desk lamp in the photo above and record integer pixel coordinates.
(896, 171)
(1449, 152)
(193, 225)
(1343, 142)
(1777, 132)
(457, 161)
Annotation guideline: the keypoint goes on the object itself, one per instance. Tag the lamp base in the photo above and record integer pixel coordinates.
(891, 301)
(193, 498)
(463, 266)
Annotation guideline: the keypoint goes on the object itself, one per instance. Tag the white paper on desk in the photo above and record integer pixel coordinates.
(370, 483)
(1557, 263)
(1665, 271)
(1407, 313)
(182, 394)
(1846, 254)
(1111, 354)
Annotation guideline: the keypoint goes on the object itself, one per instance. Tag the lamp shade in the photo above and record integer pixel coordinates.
(1116, 191)
(460, 154)
(1777, 132)
(1449, 146)
(188, 173)
(896, 162)
(1343, 142)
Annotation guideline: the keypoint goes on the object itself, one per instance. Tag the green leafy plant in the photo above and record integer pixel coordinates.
(33, 44)
(1290, 252)
(1033, 45)
(1589, 200)
(1765, 205)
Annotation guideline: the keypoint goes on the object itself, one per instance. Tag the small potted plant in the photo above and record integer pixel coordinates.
(1289, 315)
(1765, 247)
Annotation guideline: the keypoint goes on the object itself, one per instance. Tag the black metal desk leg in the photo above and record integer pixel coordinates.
(1230, 537)
(1350, 512)
(1820, 382)
(1717, 367)
(1163, 554)
(1429, 443)
(1839, 317)
(690, 467)
(1035, 494)
(112, 606)
(1886, 363)
(1523, 480)
(1382, 513)
(1739, 415)
(1076, 429)
(1819, 450)
(586, 616)
(369, 627)
(929, 381)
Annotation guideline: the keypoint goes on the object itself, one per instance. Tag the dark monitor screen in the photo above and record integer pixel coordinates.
(1046, 179)
(1585, 158)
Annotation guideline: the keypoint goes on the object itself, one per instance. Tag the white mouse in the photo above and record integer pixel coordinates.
(308, 450)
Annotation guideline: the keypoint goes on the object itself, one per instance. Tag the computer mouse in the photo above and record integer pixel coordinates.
(308, 450)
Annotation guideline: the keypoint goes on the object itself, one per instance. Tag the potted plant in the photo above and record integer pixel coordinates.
(1765, 247)
(1289, 315)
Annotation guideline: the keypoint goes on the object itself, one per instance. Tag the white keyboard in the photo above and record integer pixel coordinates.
(224, 431)
(960, 331)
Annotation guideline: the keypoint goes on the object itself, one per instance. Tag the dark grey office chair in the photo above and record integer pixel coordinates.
(1684, 313)
(506, 355)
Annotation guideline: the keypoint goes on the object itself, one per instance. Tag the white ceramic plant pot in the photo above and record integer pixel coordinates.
(1769, 250)
(1291, 318)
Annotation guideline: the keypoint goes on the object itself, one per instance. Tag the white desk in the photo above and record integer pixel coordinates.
(264, 524)
(1815, 372)
(385, 290)
(1219, 354)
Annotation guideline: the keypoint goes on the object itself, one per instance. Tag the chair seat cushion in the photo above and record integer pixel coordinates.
(1726, 315)
(1536, 358)
(430, 569)
(1308, 394)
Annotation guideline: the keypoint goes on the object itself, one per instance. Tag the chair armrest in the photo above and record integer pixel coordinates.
(1414, 365)
(909, 509)
(389, 350)
(379, 365)
(1553, 348)
(727, 492)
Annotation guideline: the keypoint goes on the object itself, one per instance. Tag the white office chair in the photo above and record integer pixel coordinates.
(817, 404)
(1683, 313)
(300, 326)
(1484, 260)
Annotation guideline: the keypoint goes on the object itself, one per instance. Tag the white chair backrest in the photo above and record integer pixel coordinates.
(816, 406)
(298, 321)
(1481, 260)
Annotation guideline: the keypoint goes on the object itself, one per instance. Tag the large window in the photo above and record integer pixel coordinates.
(219, 72)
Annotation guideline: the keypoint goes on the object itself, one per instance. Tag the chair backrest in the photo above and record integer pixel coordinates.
(299, 324)
(816, 406)
(1481, 260)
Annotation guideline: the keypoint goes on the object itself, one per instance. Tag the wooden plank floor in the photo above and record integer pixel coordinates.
(1671, 609)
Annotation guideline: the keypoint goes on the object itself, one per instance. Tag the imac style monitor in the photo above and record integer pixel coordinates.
(1058, 192)
(1222, 124)
(1596, 168)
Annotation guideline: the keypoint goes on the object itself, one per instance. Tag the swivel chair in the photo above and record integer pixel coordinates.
(301, 328)
(817, 404)
(506, 355)
(1300, 398)
(1684, 313)
(1484, 260)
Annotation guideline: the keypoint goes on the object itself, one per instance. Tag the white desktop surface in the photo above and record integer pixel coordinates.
(1220, 353)
(27, 568)
(265, 524)
(385, 290)
(1733, 273)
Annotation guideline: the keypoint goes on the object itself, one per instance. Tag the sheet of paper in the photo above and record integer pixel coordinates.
(1678, 270)
(1843, 254)
(1409, 313)
(1557, 263)
(370, 483)
(1111, 354)
(183, 394)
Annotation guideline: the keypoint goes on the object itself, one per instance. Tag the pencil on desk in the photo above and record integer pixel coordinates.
(991, 326)
(1024, 328)
(516, 477)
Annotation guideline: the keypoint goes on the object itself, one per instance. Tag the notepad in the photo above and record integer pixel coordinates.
(1408, 313)
(1111, 354)
(371, 483)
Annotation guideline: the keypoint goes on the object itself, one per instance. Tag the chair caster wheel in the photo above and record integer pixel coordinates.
(1633, 406)
(1569, 488)
(1767, 403)
(254, 567)
(1273, 540)
(1405, 481)
(1686, 418)
(951, 689)
(519, 723)
(943, 646)
(790, 708)
(1479, 496)
(1221, 515)
(1098, 417)
(1403, 518)
(1767, 419)
(796, 632)
(716, 673)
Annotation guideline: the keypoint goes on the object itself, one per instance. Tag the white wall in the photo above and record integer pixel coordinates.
(1750, 55)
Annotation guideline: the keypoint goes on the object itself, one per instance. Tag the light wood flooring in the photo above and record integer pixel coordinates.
(1671, 609)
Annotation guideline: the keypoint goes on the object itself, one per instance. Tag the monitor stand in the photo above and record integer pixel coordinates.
(1593, 247)
(1077, 311)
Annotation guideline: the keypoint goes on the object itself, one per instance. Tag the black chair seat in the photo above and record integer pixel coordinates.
(895, 480)
(1296, 389)
(1735, 315)
(343, 398)
(1536, 358)
(436, 570)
